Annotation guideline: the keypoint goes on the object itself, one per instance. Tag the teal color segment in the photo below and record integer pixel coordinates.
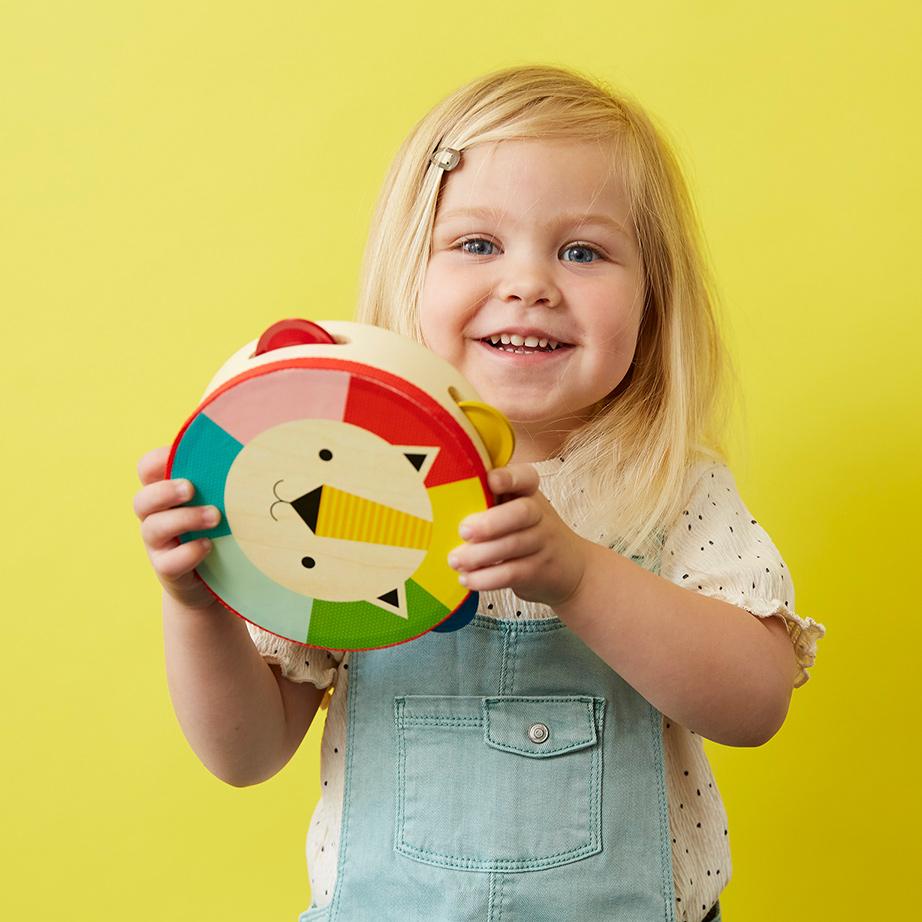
(204, 456)
(247, 590)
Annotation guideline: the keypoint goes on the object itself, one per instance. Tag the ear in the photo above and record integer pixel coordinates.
(422, 457)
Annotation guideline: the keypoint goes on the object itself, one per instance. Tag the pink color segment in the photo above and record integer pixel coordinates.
(279, 397)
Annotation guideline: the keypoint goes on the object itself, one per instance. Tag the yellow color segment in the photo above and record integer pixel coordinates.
(353, 518)
(451, 502)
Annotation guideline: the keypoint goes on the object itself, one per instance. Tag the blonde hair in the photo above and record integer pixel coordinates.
(634, 454)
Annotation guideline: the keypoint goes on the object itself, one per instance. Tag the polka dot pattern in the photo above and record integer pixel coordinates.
(724, 553)
(298, 663)
(716, 548)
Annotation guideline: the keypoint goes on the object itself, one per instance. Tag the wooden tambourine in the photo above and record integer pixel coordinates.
(343, 458)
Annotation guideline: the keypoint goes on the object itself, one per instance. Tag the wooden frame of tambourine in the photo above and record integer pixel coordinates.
(341, 484)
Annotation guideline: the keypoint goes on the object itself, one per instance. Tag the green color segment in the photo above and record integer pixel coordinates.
(361, 625)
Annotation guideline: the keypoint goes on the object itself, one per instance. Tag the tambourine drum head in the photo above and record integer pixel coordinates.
(341, 487)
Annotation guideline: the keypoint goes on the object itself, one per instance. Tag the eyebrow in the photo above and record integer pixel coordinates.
(495, 214)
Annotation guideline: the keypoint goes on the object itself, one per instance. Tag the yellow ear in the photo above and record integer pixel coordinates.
(494, 430)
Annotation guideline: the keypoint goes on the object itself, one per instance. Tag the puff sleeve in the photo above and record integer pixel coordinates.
(298, 663)
(716, 547)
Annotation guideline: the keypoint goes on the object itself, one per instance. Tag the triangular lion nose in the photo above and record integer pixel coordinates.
(308, 506)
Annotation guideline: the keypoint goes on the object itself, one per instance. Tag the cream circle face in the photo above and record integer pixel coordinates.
(331, 510)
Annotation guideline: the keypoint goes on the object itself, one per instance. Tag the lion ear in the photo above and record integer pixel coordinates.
(422, 457)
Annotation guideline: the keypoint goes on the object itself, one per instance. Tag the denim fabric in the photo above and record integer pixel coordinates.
(476, 736)
(501, 773)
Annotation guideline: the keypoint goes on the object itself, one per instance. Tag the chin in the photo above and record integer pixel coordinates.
(527, 416)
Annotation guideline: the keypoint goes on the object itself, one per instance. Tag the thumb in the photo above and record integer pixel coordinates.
(514, 480)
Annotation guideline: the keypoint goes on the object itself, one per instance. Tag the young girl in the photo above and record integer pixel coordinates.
(545, 762)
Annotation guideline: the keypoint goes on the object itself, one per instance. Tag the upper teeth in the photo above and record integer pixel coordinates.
(516, 340)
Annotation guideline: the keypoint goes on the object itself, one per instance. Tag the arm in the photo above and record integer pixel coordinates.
(710, 666)
(242, 718)
(728, 678)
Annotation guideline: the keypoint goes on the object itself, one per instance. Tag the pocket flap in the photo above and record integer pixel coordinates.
(539, 726)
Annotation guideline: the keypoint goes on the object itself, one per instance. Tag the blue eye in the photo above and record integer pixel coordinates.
(480, 249)
(586, 253)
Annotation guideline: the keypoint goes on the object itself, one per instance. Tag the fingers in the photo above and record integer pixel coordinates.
(163, 494)
(158, 504)
(490, 553)
(176, 562)
(161, 530)
(515, 479)
(152, 466)
(501, 576)
(516, 515)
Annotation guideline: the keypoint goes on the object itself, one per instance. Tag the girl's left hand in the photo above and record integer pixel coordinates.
(520, 544)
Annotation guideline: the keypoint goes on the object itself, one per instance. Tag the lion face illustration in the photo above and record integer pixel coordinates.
(332, 511)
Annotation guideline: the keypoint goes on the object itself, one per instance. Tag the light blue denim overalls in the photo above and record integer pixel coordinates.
(500, 773)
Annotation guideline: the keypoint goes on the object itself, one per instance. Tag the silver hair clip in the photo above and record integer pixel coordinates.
(446, 157)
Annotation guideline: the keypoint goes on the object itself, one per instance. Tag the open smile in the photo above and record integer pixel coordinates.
(534, 353)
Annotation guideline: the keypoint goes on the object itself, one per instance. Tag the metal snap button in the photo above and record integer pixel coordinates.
(538, 733)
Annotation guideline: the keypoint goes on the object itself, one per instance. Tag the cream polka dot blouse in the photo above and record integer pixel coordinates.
(716, 548)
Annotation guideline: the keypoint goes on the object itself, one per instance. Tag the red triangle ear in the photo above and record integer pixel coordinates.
(292, 332)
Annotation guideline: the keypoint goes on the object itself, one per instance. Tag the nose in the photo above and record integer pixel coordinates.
(527, 279)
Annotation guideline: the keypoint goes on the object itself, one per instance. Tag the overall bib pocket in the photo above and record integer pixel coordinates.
(507, 783)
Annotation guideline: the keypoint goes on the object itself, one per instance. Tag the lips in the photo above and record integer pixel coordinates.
(513, 341)
(528, 352)
(525, 333)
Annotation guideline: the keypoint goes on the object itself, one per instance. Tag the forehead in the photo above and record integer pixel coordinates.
(535, 176)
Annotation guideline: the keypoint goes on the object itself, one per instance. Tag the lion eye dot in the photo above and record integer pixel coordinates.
(308, 563)
(326, 454)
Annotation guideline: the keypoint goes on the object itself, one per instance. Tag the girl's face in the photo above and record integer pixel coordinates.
(532, 245)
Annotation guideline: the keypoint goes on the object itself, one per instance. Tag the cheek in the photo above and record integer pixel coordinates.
(447, 303)
(622, 312)
(435, 325)
(620, 337)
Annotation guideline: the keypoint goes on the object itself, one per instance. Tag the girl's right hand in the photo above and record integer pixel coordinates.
(163, 519)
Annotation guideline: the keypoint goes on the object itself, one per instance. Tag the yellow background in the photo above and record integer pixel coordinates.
(176, 175)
